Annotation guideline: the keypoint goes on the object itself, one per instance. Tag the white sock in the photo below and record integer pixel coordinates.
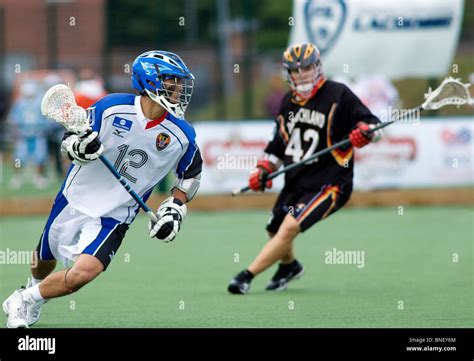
(34, 292)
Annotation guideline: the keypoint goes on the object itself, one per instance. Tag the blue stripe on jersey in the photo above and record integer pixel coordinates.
(98, 108)
(147, 194)
(108, 226)
(67, 175)
(182, 124)
(187, 158)
(119, 113)
(80, 167)
(59, 204)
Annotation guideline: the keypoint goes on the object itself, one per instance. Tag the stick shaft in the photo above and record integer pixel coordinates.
(316, 155)
(128, 188)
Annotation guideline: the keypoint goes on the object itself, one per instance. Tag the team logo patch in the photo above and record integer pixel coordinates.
(162, 141)
(122, 123)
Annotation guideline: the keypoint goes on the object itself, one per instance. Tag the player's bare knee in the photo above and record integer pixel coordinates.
(85, 269)
(287, 236)
(289, 229)
(78, 277)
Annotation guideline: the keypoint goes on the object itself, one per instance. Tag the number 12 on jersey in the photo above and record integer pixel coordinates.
(136, 159)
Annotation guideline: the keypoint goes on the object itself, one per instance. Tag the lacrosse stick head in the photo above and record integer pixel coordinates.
(450, 92)
(59, 105)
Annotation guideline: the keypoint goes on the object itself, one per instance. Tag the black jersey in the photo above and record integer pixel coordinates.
(303, 128)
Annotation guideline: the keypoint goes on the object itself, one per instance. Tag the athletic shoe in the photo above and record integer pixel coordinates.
(285, 274)
(240, 284)
(15, 307)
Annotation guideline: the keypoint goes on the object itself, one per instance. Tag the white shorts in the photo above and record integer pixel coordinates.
(69, 233)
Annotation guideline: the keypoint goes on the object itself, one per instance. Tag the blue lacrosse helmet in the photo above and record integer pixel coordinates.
(165, 78)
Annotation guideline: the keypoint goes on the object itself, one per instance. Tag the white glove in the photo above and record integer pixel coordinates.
(81, 150)
(170, 215)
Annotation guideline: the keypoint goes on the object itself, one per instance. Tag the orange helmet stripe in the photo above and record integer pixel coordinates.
(297, 50)
(288, 55)
(309, 50)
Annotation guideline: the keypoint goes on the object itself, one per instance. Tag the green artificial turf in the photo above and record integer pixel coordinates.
(408, 258)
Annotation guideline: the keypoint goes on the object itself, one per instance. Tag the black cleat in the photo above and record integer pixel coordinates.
(285, 274)
(240, 284)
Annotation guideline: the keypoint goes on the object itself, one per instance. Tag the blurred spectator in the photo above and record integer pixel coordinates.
(89, 88)
(28, 128)
(3, 112)
(376, 92)
(273, 99)
(3, 103)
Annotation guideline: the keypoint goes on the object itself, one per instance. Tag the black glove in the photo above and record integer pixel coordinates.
(170, 215)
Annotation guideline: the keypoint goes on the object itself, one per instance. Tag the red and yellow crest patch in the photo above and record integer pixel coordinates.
(162, 141)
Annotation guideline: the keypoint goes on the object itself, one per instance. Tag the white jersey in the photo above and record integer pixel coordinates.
(143, 151)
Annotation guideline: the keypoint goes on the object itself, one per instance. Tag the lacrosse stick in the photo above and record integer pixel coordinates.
(60, 105)
(450, 92)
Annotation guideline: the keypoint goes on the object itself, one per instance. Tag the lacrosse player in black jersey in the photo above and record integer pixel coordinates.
(314, 114)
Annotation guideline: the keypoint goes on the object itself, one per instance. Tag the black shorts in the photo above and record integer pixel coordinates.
(109, 248)
(308, 206)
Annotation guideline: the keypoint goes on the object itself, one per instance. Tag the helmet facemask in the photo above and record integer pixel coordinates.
(172, 93)
(304, 80)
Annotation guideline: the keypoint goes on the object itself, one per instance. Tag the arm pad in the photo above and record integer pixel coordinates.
(188, 186)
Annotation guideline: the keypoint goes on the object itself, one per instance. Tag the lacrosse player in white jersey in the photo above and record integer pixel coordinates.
(145, 137)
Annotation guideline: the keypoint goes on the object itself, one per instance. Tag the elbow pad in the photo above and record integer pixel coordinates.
(188, 186)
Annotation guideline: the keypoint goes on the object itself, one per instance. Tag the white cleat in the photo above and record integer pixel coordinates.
(15, 307)
(33, 311)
